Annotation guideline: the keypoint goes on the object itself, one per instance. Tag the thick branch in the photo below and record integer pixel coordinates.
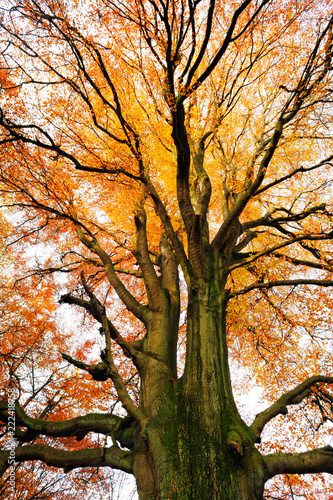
(201, 194)
(79, 426)
(169, 230)
(142, 254)
(179, 135)
(204, 188)
(170, 282)
(310, 462)
(232, 216)
(98, 371)
(94, 457)
(293, 397)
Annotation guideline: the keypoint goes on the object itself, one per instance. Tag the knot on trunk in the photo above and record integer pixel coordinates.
(234, 443)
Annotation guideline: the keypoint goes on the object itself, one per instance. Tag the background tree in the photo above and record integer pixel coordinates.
(166, 170)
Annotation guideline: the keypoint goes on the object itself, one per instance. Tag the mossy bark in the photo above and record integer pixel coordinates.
(196, 444)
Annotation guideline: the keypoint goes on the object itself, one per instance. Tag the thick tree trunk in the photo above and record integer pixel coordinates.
(197, 446)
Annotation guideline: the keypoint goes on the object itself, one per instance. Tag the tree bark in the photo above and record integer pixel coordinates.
(196, 444)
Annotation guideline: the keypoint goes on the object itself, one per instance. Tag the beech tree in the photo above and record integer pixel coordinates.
(166, 170)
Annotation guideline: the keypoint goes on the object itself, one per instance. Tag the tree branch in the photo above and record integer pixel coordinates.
(228, 39)
(302, 262)
(179, 135)
(68, 460)
(291, 108)
(271, 251)
(293, 397)
(140, 311)
(310, 462)
(107, 369)
(269, 221)
(150, 277)
(272, 284)
(204, 43)
(170, 282)
(79, 426)
(326, 161)
(110, 171)
(170, 232)
(97, 310)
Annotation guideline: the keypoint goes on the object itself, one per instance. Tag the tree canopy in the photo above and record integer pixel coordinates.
(166, 229)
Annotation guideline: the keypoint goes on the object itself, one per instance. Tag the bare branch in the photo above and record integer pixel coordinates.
(249, 258)
(228, 39)
(272, 284)
(97, 310)
(302, 262)
(140, 311)
(110, 171)
(326, 161)
(293, 397)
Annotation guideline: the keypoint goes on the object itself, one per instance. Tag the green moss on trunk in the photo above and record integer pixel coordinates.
(198, 446)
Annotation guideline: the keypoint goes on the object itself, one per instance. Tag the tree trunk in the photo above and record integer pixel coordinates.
(197, 445)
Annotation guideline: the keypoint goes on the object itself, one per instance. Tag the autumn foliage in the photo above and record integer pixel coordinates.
(166, 247)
